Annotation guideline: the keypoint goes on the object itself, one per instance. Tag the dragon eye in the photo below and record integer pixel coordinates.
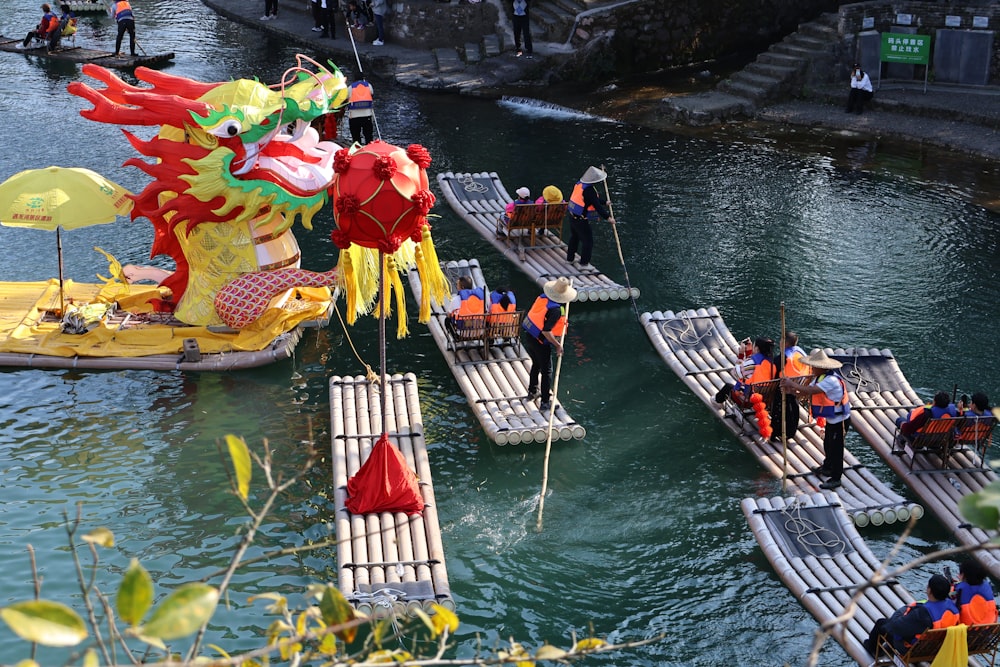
(229, 128)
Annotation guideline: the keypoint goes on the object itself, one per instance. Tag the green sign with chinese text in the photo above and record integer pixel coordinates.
(903, 48)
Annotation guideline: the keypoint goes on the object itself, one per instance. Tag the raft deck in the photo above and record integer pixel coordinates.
(385, 559)
(480, 199)
(698, 346)
(816, 551)
(879, 394)
(495, 381)
(81, 54)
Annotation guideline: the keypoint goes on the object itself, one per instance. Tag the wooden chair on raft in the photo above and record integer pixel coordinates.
(977, 434)
(982, 640)
(531, 221)
(483, 330)
(935, 437)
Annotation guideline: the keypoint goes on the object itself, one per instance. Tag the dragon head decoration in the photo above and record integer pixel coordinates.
(234, 164)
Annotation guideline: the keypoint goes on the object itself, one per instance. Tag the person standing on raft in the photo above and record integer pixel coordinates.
(543, 326)
(584, 204)
(830, 400)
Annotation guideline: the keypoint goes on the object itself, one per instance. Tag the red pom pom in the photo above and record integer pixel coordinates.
(385, 167)
(341, 239)
(821, 422)
(756, 399)
(348, 204)
(342, 161)
(423, 200)
(766, 432)
(419, 155)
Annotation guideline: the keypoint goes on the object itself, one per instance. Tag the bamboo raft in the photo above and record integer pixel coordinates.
(385, 560)
(88, 8)
(480, 200)
(879, 394)
(815, 549)
(80, 54)
(699, 348)
(495, 382)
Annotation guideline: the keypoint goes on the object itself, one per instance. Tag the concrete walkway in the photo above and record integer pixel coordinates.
(961, 118)
(427, 69)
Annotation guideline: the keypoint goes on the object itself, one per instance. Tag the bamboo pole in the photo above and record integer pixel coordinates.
(618, 244)
(552, 409)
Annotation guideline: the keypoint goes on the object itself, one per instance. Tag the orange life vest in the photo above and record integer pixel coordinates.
(361, 96)
(534, 321)
(472, 301)
(793, 363)
(576, 204)
(824, 407)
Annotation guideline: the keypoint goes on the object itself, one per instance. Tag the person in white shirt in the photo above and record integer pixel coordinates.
(861, 90)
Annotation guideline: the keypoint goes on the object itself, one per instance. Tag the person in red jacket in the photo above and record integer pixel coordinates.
(48, 25)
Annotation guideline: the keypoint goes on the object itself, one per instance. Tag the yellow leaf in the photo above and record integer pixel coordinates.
(135, 595)
(101, 536)
(183, 612)
(589, 643)
(443, 619)
(329, 645)
(550, 652)
(90, 658)
(45, 622)
(26, 663)
(240, 455)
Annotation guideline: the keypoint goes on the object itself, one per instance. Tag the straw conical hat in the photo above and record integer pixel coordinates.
(559, 290)
(593, 175)
(818, 359)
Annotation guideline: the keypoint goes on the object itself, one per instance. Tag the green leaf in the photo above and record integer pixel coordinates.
(182, 612)
(45, 622)
(135, 595)
(102, 537)
(335, 609)
(983, 507)
(240, 455)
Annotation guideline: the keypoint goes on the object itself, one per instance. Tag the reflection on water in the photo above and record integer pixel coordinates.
(865, 244)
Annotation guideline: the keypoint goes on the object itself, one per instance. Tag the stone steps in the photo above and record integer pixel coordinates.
(776, 74)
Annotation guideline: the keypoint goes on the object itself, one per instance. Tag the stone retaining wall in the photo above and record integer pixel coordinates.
(927, 18)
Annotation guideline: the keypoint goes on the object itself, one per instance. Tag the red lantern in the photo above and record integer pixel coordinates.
(380, 196)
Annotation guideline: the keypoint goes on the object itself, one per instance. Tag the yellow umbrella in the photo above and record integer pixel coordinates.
(57, 198)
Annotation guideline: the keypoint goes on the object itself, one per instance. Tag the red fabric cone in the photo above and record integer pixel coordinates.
(384, 483)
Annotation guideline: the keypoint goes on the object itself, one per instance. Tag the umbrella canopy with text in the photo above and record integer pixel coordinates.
(56, 198)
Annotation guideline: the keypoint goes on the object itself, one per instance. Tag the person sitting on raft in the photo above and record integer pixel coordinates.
(468, 300)
(973, 594)
(977, 408)
(502, 301)
(523, 197)
(43, 31)
(907, 623)
(757, 366)
(915, 420)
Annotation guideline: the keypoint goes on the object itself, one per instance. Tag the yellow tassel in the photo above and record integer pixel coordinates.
(397, 284)
(424, 315)
(432, 278)
(350, 286)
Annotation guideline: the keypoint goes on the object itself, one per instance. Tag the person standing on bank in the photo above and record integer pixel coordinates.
(270, 10)
(830, 400)
(360, 111)
(379, 9)
(520, 21)
(122, 13)
(585, 203)
(544, 326)
(861, 90)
